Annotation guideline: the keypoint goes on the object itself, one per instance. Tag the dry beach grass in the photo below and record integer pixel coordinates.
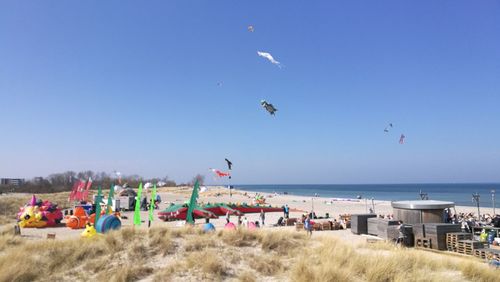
(168, 254)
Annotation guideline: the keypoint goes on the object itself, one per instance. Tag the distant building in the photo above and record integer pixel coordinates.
(12, 181)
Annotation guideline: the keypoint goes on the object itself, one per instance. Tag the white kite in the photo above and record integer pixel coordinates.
(269, 57)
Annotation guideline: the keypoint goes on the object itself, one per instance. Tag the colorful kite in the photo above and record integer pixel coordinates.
(219, 173)
(402, 139)
(269, 57)
(387, 128)
(269, 107)
(229, 164)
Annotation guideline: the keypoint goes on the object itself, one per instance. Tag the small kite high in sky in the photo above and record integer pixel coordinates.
(402, 139)
(387, 127)
(219, 83)
(250, 28)
(269, 107)
(229, 164)
(269, 57)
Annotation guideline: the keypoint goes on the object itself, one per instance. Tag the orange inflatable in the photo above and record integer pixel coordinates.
(79, 219)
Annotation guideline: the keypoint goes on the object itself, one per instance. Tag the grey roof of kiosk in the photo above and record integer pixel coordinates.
(422, 205)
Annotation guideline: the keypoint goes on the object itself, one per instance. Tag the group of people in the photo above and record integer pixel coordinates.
(245, 222)
(387, 216)
(469, 220)
(343, 221)
(145, 204)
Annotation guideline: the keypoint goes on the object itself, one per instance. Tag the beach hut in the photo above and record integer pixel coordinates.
(420, 211)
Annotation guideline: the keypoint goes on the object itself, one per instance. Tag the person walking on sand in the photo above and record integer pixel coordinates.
(245, 222)
(308, 225)
(262, 217)
(227, 217)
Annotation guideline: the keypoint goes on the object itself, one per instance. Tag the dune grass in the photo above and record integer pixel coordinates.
(162, 254)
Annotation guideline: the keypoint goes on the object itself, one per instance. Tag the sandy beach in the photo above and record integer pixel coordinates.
(298, 206)
(168, 251)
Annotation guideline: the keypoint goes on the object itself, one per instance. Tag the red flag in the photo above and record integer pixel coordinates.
(77, 190)
(85, 193)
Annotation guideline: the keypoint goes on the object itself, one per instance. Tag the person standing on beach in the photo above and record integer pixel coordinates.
(286, 210)
(401, 236)
(308, 225)
(262, 217)
(245, 222)
(227, 217)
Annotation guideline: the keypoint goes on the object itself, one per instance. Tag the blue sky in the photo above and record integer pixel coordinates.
(132, 86)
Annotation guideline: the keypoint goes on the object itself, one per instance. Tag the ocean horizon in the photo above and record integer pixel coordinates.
(460, 193)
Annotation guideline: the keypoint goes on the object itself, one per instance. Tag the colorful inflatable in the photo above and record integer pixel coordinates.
(208, 227)
(259, 200)
(89, 231)
(107, 223)
(79, 219)
(39, 214)
(230, 226)
(252, 226)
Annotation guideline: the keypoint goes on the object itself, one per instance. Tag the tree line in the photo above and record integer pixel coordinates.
(64, 181)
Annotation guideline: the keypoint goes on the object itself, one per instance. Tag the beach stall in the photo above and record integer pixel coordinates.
(420, 211)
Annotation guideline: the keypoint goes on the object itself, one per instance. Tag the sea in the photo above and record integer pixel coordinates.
(461, 194)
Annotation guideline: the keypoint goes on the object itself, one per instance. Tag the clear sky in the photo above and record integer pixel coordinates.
(132, 86)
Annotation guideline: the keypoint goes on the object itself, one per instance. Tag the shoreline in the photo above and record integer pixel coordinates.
(459, 193)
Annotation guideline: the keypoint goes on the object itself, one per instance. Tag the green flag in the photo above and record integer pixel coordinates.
(97, 203)
(152, 205)
(137, 212)
(192, 203)
(110, 199)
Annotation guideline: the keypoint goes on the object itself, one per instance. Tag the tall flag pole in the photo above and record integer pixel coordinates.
(137, 212)
(192, 203)
(97, 203)
(110, 199)
(152, 205)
